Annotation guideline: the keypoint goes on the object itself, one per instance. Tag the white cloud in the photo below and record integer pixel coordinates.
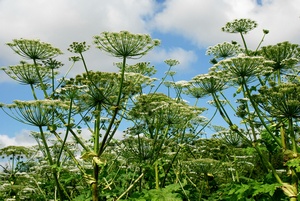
(201, 21)
(185, 57)
(23, 138)
(61, 22)
(86, 134)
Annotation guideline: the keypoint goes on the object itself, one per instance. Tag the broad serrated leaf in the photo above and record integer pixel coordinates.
(266, 189)
(294, 163)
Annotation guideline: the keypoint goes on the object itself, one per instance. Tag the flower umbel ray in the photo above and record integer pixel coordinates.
(25, 73)
(125, 44)
(36, 113)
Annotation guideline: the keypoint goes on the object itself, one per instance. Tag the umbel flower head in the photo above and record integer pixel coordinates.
(206, 84)
(172, 62)
(242, 67)
(281, 101)
(143, 68)
(25, 73)
(101, 88)
(52, 64)
(36, 113)
(162, 110)
(242, 26)
(34, 49)
(285, 55)
(125, 44)
(224, 50)
(77, 47)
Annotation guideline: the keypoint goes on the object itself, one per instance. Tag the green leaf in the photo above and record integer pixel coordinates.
(265, 189)
(240, 192)
(294, 163)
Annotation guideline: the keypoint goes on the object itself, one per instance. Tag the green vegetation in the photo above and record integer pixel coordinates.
(164, 154)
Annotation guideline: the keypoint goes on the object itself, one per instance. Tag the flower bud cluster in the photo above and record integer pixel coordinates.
(239, 26)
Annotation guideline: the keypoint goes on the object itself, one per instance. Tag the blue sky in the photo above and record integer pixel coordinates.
(185, 27)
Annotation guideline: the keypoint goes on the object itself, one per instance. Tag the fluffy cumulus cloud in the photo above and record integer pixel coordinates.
(186, 57)
(196, 23)
(21, 138)
(200, 21)
(61, 22)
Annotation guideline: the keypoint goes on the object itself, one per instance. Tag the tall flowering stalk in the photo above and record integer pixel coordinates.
(111, 97)
(38, 113)
(241, 26)
(158, 121)
(275, 104)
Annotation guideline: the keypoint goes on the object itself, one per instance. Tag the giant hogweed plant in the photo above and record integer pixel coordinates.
(267, 97)
(97, 100)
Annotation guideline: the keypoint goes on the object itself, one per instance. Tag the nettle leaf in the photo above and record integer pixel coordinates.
(243, 189)
(172, 187)
(266, 189)
(239, 190)
(167, 193)
(294, 163)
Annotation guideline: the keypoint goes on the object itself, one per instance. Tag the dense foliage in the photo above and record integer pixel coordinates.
(164, 154)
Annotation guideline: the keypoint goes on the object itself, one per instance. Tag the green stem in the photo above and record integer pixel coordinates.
(156, 175)
(70, 153)
(227, 101)
(257, 111)
(278, 76)
(33, 92)
(43, 87)
(97, 128)
(283, 138)
(13, 164)
(248, 111)
(244, 42)
(63, 78)
(130, 187)
(260, 42)
(163, 79)
(292, 135)
(225, 116)
(116, 109)
(61, 192)
(52, 79)
(95, 191)
(67, 132)
(78, 140)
